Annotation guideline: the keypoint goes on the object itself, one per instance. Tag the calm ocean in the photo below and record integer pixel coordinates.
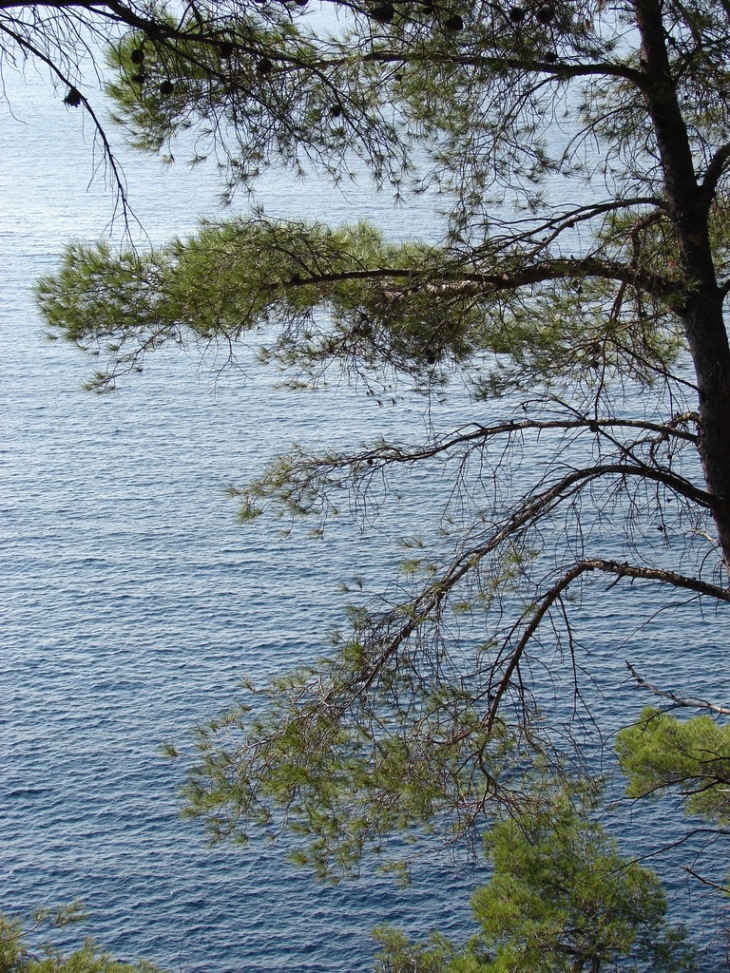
(132, 603)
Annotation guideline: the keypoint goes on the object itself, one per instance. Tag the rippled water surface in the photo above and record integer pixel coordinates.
(132, 602)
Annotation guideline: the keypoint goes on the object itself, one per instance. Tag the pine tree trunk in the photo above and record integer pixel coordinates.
(688, 205)
(708, 343)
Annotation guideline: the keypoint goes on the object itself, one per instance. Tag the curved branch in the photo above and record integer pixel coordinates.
(714, 171)
(394, 454)
(534, 508)
(25, 45)
(615, 568)
(568, 219)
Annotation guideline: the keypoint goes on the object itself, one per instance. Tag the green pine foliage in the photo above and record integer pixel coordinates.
(661, 753)
(21, 951)
(580, 154)
(561, 899)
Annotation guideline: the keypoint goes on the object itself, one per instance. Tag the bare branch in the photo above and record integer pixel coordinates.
(690, 702)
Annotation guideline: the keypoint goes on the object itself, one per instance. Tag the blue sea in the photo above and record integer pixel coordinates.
(132, 602)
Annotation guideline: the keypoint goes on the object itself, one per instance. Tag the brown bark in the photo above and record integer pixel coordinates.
(702, 311)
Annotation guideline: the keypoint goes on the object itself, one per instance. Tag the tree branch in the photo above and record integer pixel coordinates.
(714, 171)
(689, 702)
(465, 283)
(609, 567)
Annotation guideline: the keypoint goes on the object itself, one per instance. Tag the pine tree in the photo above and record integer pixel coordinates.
(582, 150)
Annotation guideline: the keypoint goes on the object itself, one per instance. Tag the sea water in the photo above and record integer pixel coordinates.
(132, 602)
